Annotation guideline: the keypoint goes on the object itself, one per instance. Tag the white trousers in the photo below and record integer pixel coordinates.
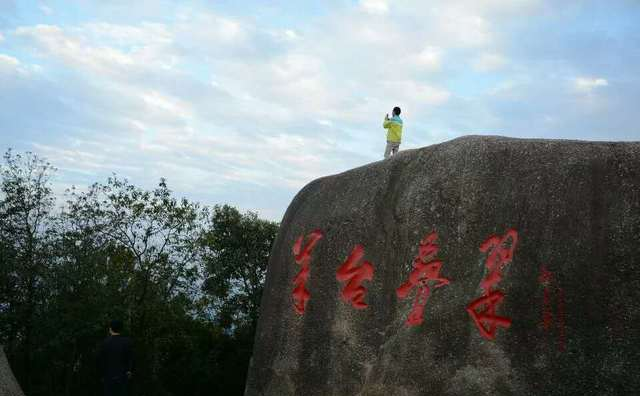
(392, 149)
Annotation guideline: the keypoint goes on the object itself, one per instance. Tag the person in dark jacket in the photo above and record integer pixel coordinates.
(115, 361)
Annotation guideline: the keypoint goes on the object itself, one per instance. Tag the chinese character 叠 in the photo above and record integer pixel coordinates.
(425, 269)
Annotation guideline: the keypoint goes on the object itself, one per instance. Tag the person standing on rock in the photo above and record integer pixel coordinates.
(394, 132)
(116, 361)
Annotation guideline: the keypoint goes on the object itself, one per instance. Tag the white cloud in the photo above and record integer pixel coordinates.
(122, 52)
(217, 102)
(430, 58)
(11, 65)
(292, 66)
(507, 89)
(9, 61)
(587, 84)
(291, 34)
(161, 123)
(228, 30)
(164, 104)
(1, 37)
(206, 29)
(488, 62)
(288, 36)
(493, 7)
(377, 7)
(74, 51)
(461, 28)
(145, 34)
(327, 123)
(45, 10)
(416, 94)
(370, 35)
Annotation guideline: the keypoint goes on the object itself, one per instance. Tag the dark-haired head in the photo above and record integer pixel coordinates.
(116, 326)
(396, 111)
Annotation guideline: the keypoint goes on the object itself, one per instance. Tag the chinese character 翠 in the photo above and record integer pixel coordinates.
(303, 258)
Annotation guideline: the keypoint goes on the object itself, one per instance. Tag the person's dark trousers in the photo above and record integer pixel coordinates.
(115, 387)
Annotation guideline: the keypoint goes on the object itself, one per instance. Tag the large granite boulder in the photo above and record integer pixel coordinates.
(480, 266)
(8, 384)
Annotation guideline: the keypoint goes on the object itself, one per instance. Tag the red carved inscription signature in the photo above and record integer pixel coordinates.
(550, 285)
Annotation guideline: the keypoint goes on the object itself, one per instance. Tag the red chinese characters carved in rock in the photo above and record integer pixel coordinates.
(303, 258)
(483, 310)
(354, 275)
(548, 281)
(425, 269)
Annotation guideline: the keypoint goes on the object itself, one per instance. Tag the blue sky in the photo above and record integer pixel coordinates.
(246, 102)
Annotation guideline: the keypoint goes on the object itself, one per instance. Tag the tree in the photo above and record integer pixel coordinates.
(236, 254)
(27, 238)
(186, 280)
(151, 271)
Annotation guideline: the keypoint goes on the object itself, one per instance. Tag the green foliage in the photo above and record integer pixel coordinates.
(185, 279)
(236, 253)
(27, 240)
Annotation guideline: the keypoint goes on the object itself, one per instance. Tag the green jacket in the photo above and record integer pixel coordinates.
(394, 126)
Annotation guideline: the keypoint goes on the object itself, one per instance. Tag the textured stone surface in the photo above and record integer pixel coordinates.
(576, 208)
(8, 384)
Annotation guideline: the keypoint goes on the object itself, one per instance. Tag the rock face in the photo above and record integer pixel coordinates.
(8, 384)
(528, 275)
